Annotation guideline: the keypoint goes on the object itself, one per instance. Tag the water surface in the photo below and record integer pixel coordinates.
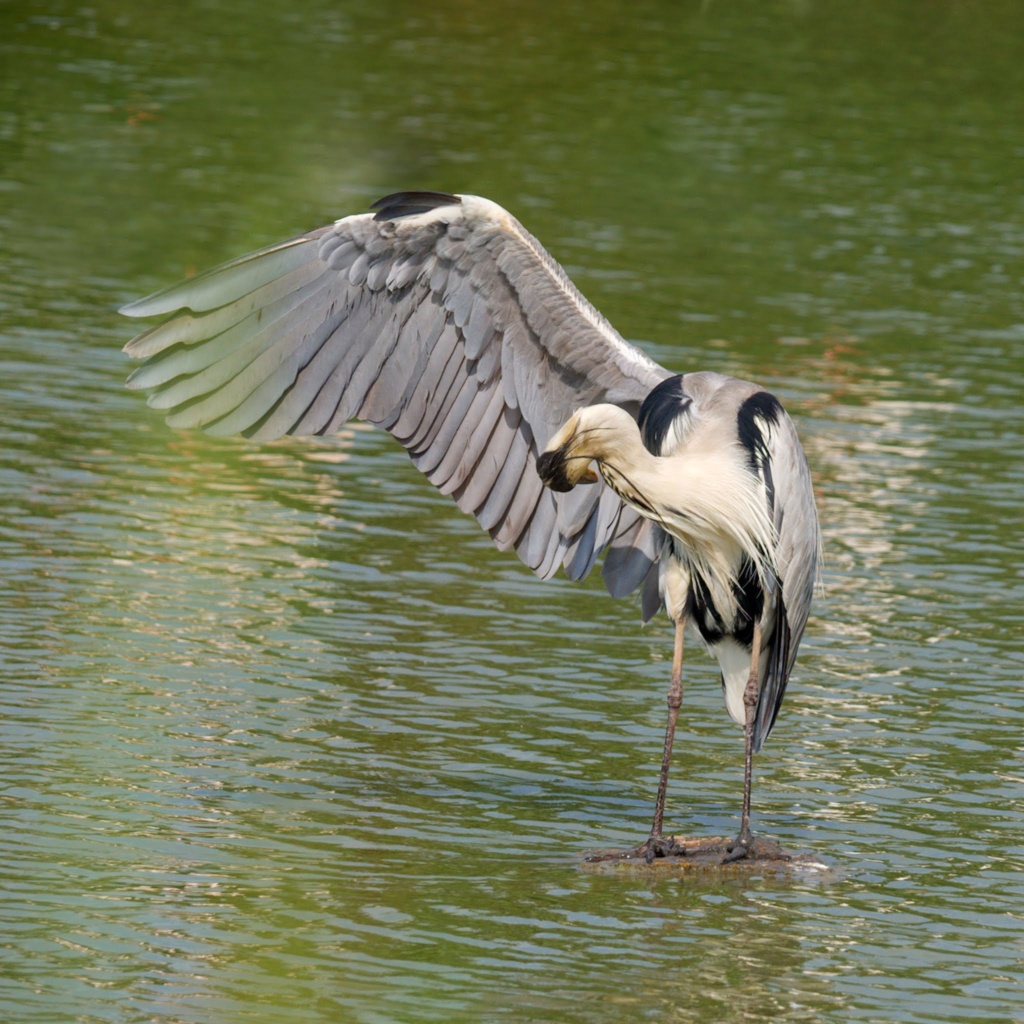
(283, 738)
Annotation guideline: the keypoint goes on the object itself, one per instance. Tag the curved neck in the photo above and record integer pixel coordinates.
(704, 496)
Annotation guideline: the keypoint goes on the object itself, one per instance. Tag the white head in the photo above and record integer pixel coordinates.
(594, 433)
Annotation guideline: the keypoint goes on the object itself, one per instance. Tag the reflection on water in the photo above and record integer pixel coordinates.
(283, 738)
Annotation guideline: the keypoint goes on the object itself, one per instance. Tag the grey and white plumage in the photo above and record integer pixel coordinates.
(442, 320)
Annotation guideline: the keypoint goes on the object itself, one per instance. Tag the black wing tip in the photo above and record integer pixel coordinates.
(407, 204)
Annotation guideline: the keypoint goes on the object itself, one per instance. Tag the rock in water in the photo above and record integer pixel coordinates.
(690, 853)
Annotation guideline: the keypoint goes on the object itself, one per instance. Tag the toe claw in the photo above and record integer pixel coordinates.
(660, 846)
(737, 851)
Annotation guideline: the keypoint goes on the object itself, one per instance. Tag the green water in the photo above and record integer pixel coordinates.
(283, 739)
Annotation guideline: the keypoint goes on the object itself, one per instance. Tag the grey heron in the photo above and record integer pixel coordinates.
(440, 319)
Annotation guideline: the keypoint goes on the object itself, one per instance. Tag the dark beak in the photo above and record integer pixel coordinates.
(551, 470)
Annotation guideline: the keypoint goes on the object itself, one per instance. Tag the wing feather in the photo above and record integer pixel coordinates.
(420, 402)
(635, 547)
(449, 447)
(333, 368)
(539, 544)
(798, 554)
(519, 520)
(580, 552)
(229, 281)
(476, 441)
(498, 501)
(478, 485)
(447, 391)
(451, 417)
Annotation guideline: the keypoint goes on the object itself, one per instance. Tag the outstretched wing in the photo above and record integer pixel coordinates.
(438, 318)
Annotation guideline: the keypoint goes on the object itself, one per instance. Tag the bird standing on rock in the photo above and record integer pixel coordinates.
(440, 319)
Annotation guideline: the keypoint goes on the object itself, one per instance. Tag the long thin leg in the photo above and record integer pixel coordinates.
(744, 841)
(674, 700)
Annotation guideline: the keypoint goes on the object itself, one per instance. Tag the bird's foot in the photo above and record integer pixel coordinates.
(742, 846)
(659, 846)
(651, 849)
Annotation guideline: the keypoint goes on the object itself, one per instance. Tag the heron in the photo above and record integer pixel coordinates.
(439, 318)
